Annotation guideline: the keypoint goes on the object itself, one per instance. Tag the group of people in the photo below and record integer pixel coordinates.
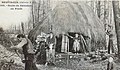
(45, 49)
(43, 54)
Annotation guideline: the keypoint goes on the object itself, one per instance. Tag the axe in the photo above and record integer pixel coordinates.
(16, 51)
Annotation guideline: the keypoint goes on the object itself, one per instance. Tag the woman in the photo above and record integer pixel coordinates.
(41, 52)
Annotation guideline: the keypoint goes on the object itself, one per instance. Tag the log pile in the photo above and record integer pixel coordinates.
(9, 60)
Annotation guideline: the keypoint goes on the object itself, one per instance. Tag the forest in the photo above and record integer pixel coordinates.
(97, 22)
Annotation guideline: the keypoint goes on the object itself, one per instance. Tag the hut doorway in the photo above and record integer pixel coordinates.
(71, 42)
(58, 43)
(64, 43)
(83, 48)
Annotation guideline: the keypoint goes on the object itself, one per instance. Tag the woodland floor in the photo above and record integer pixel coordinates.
(60, 64)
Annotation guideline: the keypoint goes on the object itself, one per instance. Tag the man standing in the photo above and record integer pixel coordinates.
(51, 43)
(27, 50)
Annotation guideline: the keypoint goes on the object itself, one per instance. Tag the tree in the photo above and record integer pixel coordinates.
(1, 35)
(1, 30)
(110, 41)
(116, 12)
(39, 10)
(98, 9)
(33, 14)
(22, 25)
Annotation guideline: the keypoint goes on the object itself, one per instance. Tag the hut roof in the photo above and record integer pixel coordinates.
(72, 17)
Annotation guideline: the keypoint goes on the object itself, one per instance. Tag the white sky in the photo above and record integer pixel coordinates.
(12, 17)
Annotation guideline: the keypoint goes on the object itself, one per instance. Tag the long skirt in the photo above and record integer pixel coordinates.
(41, 57)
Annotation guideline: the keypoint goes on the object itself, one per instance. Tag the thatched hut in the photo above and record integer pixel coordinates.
(72, 17)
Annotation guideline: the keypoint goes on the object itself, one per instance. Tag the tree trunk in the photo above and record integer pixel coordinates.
(110, 44)
(33, 16)
(39, 4)
(22, 25)
(116, 13)
(98, 9)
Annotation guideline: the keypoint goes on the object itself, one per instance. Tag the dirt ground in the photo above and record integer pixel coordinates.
(60, 64)
(73, 65)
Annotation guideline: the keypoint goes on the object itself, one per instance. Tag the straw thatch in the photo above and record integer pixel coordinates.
(72, 17)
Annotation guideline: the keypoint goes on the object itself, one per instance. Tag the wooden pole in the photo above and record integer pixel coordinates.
(68, 55)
